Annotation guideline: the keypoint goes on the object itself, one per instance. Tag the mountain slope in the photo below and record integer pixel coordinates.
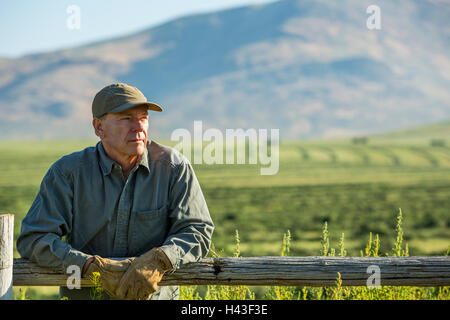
(309, 68)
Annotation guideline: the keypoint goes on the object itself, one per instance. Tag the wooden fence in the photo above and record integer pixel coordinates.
(267, 271)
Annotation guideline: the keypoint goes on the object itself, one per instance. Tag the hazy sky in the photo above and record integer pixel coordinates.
(28, 26)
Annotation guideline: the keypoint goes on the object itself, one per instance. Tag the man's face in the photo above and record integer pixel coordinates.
(124, 133)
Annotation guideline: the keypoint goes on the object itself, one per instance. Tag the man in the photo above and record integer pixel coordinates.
(126, 197)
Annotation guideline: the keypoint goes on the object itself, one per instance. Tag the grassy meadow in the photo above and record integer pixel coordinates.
(356, 188)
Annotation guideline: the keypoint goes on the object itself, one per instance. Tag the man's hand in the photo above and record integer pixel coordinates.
(141, 279)
(110, 272)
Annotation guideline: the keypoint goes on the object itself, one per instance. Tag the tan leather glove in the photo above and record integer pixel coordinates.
(111, 271)
(141, 279)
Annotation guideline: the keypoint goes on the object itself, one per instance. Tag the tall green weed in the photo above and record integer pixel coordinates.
(336, 292)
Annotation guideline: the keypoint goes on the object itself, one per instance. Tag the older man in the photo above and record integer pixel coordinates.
(125, 197)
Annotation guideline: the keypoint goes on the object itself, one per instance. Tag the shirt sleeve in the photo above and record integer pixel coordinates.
(47, 221)
(189, 236)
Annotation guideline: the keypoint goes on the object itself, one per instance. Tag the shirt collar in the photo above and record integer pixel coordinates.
(107, 163)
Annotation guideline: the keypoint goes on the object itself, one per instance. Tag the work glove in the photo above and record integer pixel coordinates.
(111, 271)
(141, 279)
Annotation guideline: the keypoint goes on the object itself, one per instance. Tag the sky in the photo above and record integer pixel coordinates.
(28, 26)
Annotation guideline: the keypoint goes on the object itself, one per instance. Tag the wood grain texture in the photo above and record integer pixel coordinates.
(6, 255)
(292, 271)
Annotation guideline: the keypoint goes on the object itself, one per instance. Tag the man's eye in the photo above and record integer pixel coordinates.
(125, 118)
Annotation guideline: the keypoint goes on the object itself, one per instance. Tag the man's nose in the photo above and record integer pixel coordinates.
(139, 125)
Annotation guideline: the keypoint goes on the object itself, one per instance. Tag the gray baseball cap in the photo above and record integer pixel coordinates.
(119, 97)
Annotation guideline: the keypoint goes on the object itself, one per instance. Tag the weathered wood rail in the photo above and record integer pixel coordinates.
(292, 271)
(268, 271)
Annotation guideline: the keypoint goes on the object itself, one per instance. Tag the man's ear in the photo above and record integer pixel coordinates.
(97, 124)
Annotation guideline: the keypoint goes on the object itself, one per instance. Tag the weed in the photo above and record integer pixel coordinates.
(338, 291)
(96, 291)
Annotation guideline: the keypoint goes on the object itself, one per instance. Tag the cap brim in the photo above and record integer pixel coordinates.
(151, 106)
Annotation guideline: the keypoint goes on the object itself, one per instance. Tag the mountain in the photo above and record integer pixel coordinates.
(311, 68)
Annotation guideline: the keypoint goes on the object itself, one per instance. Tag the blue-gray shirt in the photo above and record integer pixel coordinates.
(85, 198)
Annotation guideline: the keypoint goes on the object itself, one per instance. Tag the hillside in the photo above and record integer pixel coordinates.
(417, 135)
(310, 68)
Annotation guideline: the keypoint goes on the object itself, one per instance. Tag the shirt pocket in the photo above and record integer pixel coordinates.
(149, 229)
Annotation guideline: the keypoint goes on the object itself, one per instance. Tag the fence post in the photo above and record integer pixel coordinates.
(6, 255)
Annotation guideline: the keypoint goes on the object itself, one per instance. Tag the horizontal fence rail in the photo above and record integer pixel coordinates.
(280, 271)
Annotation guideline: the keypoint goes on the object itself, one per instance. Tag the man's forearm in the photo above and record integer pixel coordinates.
(188, 245)
(48, 250)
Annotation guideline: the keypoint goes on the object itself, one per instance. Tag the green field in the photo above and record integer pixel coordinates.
(355, 188)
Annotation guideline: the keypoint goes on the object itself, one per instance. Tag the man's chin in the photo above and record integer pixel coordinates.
(139, 149)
